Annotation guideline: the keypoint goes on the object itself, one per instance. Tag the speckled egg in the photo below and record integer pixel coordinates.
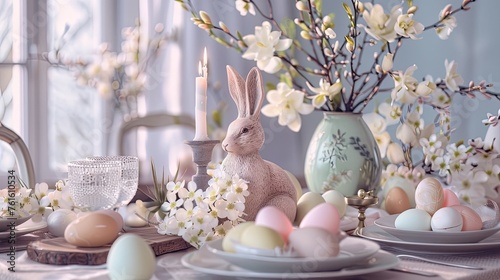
(429, 195)
(396, 201)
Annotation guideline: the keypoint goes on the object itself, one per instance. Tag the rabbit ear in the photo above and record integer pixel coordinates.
(237, 90)
(254, 92)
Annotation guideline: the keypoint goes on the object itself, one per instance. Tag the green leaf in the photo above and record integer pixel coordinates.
(286, 79)
(347, 9)
(270, 86)
(349, 40)
(410, 3)
(319, 6)
(288, 27)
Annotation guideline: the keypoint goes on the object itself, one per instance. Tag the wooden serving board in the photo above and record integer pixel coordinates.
(58, 251)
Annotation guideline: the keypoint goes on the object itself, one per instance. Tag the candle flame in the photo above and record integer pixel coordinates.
(200, 71)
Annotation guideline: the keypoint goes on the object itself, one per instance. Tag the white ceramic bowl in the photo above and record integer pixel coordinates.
(353, 250)
(443, 237)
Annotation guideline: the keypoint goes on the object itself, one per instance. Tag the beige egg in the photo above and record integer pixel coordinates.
(234, 234)
(307, 202)
(261, 237)
(315, 243)
(429, 195)
(337, 199)
(296, 184)
(92, 230)
(471, 219)
(396, 201)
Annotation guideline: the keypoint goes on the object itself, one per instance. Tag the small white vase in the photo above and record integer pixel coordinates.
(493, 134)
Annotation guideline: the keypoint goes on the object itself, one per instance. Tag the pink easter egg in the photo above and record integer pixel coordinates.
(274, 218)
(450, 198)
(325, 216)
(471, 219)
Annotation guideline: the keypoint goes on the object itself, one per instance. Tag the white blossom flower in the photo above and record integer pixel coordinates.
(380, 25)
(287, 104)
(457, 153)
(441, 164)
(395, 153)
(492, 119)
(447, 24)
(452, 79)
(406, 26)
(404, 86)
(229, 208)
(469, 186)
(60, 199)
(392, 113)
(171, 204)
(262, 45)
(174, 187)
(387, 62)
(324, 92)
(245, 7)
(191, 193)
(41, 190)
(440, 99)
(375, 122)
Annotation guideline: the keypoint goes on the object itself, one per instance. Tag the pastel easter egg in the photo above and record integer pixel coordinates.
(261, 237)
(471, 219)
(305, 203)
(396, 201)
(413, 219)
(234, 235)
(274, 218)
(407, 186)
(446, 219)
(315, 243)
(450, 198)
(337, 199)
(429, 195)
(92, 230)
(58, 220)
(325, 216)
(130, 257)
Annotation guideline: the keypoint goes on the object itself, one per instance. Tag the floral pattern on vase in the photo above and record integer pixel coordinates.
(342, 155)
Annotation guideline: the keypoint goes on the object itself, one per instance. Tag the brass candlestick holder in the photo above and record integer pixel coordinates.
(361, 202)
(202, 154)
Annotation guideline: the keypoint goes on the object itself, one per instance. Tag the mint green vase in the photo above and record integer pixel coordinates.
(342, 155)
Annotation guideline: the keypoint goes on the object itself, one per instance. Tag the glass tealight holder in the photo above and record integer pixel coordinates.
(94, 185)
(129, 176)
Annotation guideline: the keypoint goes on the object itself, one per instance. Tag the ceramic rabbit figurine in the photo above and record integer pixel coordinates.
(268, 183)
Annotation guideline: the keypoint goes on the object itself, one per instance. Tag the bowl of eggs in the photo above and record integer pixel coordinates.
(273, 244)
(439, 218)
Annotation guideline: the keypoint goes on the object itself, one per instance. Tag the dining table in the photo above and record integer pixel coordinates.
(171, 266)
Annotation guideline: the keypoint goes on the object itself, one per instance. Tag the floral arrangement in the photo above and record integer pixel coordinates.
(196, 215)
(38, 202)
(333, 77)
(120, 77)
(320, 70)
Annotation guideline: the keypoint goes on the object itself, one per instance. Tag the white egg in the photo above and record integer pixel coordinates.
(131, 258)
(414, 219)
(447, 219)
(58, 220)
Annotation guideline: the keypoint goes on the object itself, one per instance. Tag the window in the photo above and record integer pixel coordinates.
(58, 120)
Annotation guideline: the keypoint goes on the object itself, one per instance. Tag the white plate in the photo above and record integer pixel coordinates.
(440, 237)
(377, 234)
(24, 228)
(6, 221)
(206, 262)
(352, 250)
